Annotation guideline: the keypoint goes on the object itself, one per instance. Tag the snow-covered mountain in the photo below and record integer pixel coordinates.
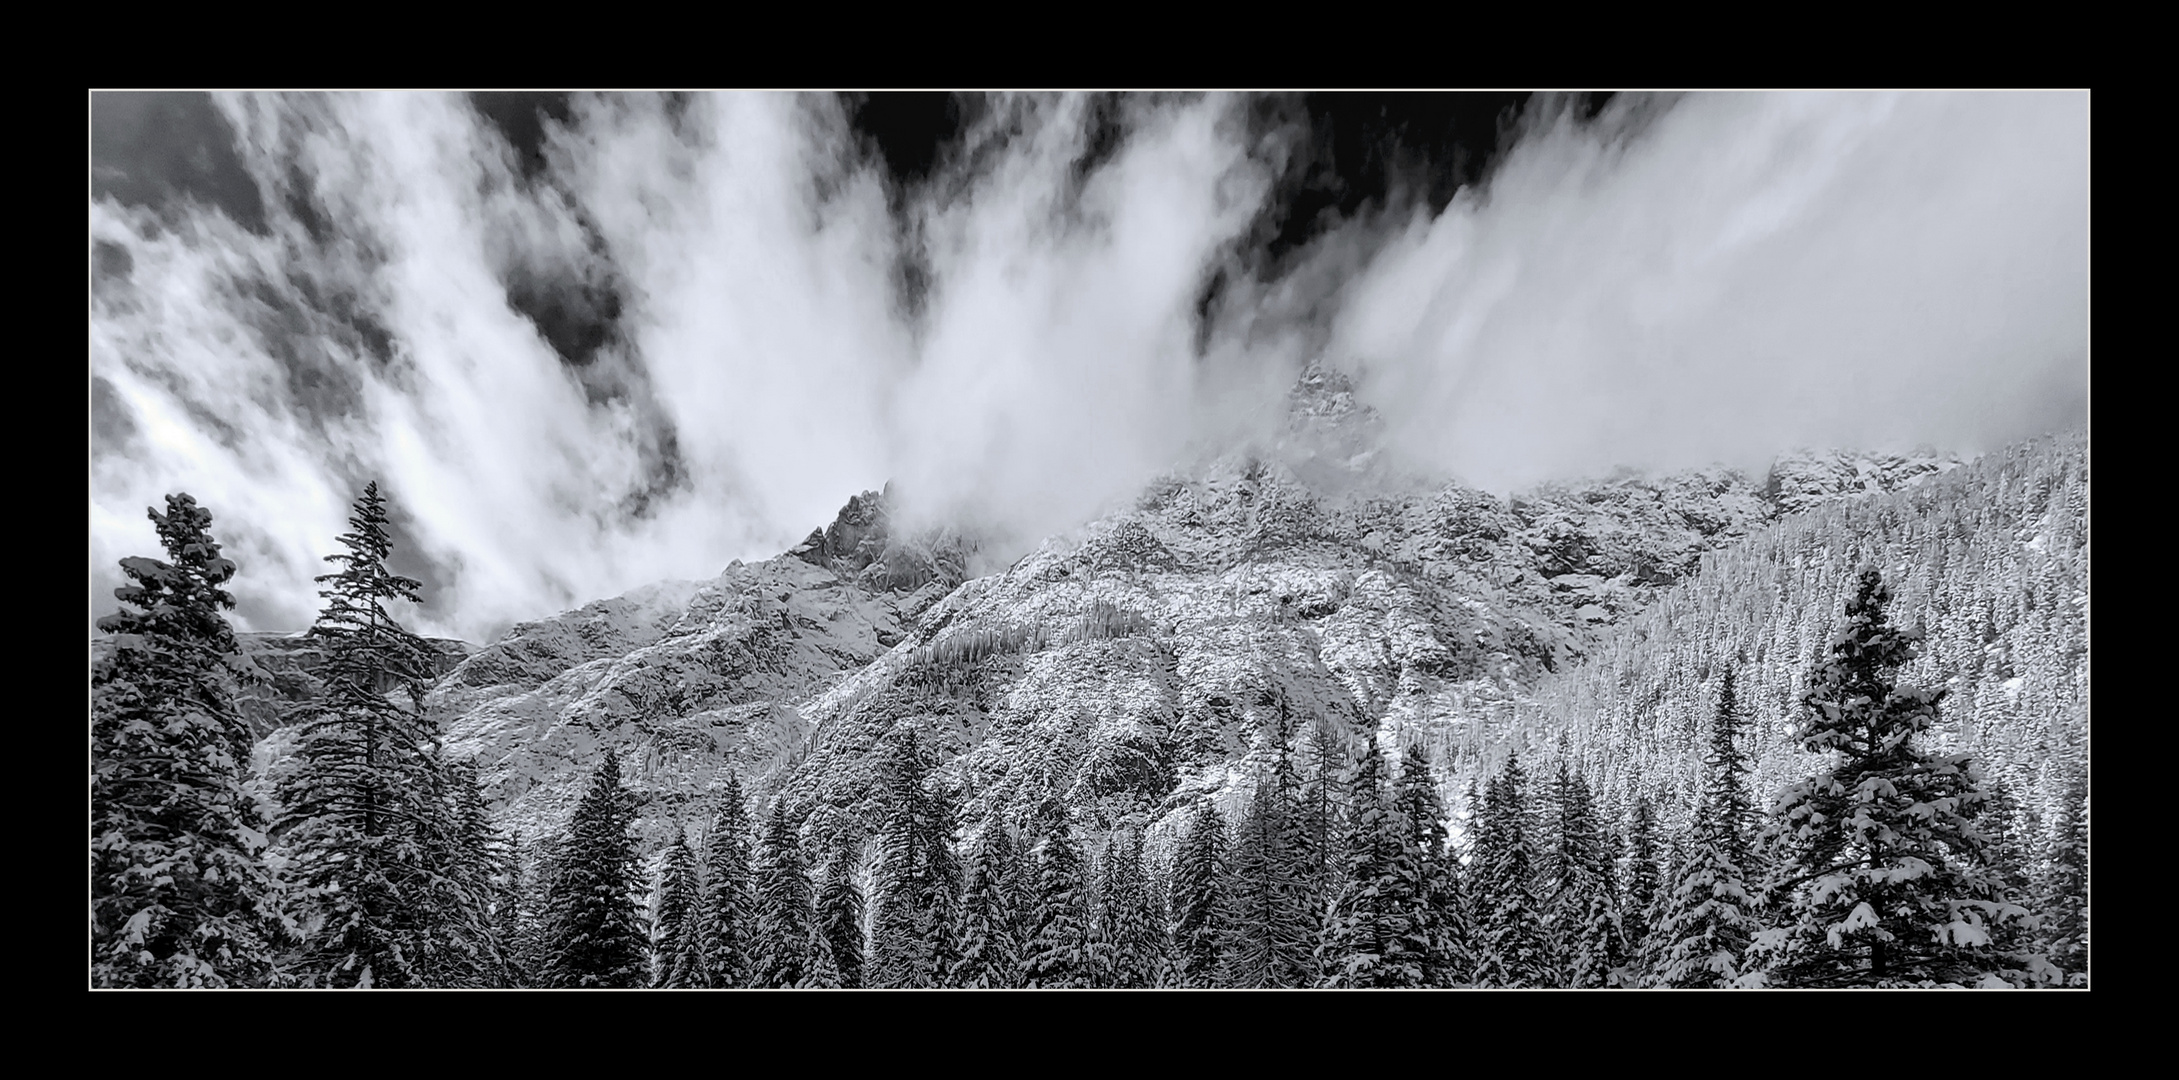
(1134, 663)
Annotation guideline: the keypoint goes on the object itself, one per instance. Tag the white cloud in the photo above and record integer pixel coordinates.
(1721, 278)
(1743, 274)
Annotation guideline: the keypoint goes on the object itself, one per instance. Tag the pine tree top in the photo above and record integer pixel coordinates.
(182, 599)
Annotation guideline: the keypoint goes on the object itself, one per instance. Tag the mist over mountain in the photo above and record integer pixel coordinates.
(591, 342)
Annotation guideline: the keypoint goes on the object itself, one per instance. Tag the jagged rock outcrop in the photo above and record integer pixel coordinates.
(1807, 478)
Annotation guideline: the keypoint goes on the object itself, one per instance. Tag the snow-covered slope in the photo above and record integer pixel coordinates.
(1127, 667)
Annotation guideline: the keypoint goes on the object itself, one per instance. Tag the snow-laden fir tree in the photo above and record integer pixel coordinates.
(2006, 859)
(918, 881)
(1464, 909)
(595, 936)
(1320, 795)
(474, 862)
(1584, 911)
(675, 944)
(516, 915)
(1270, 928)
(786, 914)
(1197, 906)
(1639, 909)
(180, 892)
(729, 908)
(1710, 913)
(2065, 887)
(363, 809)
(1878, 878)
(840, 914)
(1131, 930)
(1511, 950)
(990, 953)
(1057, 910)
(1367, 916)
(1431, 948)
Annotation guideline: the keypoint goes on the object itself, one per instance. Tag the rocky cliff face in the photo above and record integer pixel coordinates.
(1129, 666)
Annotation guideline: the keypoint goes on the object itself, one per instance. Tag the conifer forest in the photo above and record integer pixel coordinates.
(1328, 683)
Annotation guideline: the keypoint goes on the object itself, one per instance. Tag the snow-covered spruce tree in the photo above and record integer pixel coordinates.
(1131, 933)
(786, 924)
(1197, 907)
(1366, 915)
(675, 945)
(1057, 922)
(990, 953)
(515, 915)
(840, 914)
(1710, 914)
(1318, 817)
(1431, 943)
(1510, 946)
(1271, 931)
(729, 907)
(473, 863)
(918, 883)
(1149, 939)
(1877, 878)
(595, 936)
(180, 893)
(1464, 908)
(1584, 914)
(2065, 886)
(364, 808)
(1644, 887)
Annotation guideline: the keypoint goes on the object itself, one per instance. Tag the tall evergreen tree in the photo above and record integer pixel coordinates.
(464, 847)
(180, 892)
(1271, 930)
(990, 953)
(595, 935)
(1710, 916)
(1132, 932)
(1198, 905)
(1430, 949)
(1366, 914)
(1644, 885)
(675, 943)
(1058, 924)
(363, 812)
(1318, 834)
(840, 915)
(918, 876)
(1271, 922)
(786, 925)
(1584, 913)
(1510, 947)
(1466, 909)
(1879, 877)
(729, 908)
(2065, 888)
(517, 916)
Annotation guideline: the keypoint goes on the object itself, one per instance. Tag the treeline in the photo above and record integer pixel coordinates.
(1892, 863)
(1991, 557)
(1896, 865)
